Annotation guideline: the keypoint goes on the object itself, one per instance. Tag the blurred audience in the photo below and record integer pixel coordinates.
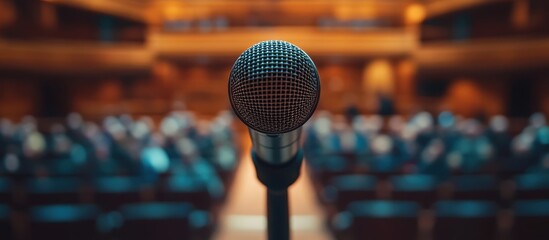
(421, 145)
(120, 146)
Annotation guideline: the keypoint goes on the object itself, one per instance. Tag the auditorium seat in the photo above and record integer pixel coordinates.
(5, 222)
(166, 221)
(421, 189)
(476, 187)
(471, 220)
(186, 188)
(64, 222)
(46, 191)
(532, 186)
(349, 188)
(379, 220)
(531, 218)
(331, 166)
(113, 192)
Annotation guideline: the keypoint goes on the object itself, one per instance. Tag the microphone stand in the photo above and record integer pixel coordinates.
(277, 179)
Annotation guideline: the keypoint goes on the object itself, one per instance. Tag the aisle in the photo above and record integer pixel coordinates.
(243, 214)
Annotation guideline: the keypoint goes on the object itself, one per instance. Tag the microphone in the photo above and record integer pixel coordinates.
(274, 88)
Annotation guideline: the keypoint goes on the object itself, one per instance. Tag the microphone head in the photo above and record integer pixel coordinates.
(274, 87)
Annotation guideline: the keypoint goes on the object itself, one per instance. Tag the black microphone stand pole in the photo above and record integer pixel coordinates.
(277, 179)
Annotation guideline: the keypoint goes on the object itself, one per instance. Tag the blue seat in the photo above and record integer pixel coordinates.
(64, 221)
(5, 223)
(167, 221)
(350, 188)
(47, 191)
(531, 218)
(532, 186)
(476, 187)
(387, 220)
(186, 188)
(475, 220)
(421, 189)
(113, 192)
(331, 166)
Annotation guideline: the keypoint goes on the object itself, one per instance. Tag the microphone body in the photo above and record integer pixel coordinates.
(275, 149)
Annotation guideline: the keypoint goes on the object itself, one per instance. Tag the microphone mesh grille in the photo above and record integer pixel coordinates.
(274, 87)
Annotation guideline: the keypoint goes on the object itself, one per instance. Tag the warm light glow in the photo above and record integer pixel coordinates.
(354, 11)
(414, 14)
(110, 91)
(405, 73)
(48, 16)
(333, 75)
(378, 78)
(465, 97)
(7, 13)
(172, 12)
(181, 11)
(520, 13)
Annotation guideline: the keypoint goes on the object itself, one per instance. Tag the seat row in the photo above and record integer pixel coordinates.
(140, 221)
(471, 220)
(109, 193)
(425, 189)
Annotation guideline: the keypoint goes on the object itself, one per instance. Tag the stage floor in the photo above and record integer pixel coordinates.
(243, 215)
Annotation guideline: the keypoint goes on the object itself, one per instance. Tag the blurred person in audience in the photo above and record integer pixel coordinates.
(105, 165)
(221, 129)
(408, 136)
(432, 160)
(332, 144)
(400, 149)
(58, 143)
(170, 129)
(537, 120)
(359, 129)
(23, 129)
(373, 125)
(328, 142)
(522, 154)
(154, 160)
(225, 155)
(368, 128)
(12, 164)
(541, 142)
(310, 138)
(447, 130)
(347, 140)
(472, 151)
(75, 131)
(200, 168)
(352, 143)
(423, 122)
(93, 152)
(385, 105)
(203, 139)
(498, 135)
(383, 159)
(124, 148)
(33, 146)
(351, 110)
(538, 125)
(322, 145)
(141, 131)
(65, 157)
(6, 135)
